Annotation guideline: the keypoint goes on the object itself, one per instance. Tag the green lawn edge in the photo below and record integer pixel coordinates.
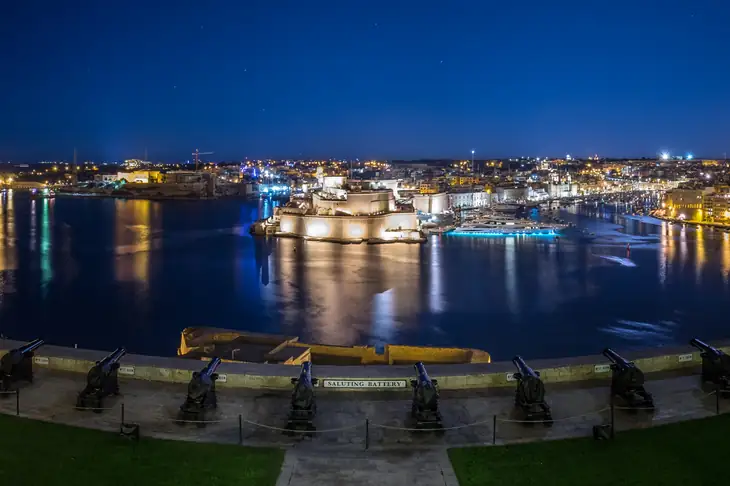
(691, 452)
(41, 453)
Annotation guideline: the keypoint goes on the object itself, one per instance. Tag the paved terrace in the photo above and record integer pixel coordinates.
(341, 417)
(577, 390)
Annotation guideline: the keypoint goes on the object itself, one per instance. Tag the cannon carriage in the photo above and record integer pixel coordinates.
(17, 365)
(102, 381)
(425, 404)
(201, 397)
(303, 404)
(530, 393)
(627, 381)
(715, 365)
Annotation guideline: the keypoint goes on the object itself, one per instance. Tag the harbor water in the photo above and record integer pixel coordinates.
(101, 273)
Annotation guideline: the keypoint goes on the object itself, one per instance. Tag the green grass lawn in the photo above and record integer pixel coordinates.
(42, 454)
(693, 452)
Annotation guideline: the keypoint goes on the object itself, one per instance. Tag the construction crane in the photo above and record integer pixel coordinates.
(197, 155)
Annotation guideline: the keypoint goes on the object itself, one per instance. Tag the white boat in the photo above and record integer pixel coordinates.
(506, 207)
(497, 225)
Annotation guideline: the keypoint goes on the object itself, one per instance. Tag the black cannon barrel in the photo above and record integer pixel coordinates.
(306, 374)
(616, 358)
(523, 368)
(703, 346)
(113, 357)
(31, 346)
(211, 367)
(422, 374)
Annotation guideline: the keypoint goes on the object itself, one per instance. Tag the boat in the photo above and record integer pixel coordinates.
(250, 347)
(498, 225)
(506, 207)
(44, 193)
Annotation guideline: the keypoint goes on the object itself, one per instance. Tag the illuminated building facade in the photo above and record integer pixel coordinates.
(335, 214)
(685, 203)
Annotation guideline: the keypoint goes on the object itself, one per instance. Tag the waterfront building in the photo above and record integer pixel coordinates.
(560, 190)
(469, 199)
(140, 176)
(716, 207)
(431, 203)
(685, 203)
(345, 215)
(511, 193)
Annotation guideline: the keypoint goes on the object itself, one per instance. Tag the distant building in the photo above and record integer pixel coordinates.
(335, 214)
(431, 203)
(469, 199)
(511, 194)
(685, 203)
(140, 176)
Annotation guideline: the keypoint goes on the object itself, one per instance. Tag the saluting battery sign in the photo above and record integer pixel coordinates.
(364, 384)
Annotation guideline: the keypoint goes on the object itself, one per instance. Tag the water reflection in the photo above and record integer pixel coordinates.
(135, 225)
(435, 297)
(725, 258)
(700, 256)
(8, 245)
(510, 281)
(33, 223)
(46, 245)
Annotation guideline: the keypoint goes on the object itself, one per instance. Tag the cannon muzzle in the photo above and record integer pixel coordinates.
(421, 371)
(705, 348)
(113, 357)
(31, 346)
(211, 367)
(305, 375)
(523, 369)
(616, 358)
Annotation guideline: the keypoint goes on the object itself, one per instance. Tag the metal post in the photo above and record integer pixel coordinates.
(717, 400)
(367, 433)
(240, 429)
(613, 421)
(17, 401)
(494, 430)
(122, 424)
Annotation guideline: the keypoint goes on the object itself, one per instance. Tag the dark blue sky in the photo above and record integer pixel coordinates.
(356, 78)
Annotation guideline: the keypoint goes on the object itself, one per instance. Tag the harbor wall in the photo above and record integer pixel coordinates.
(349, 228)
(450, 377)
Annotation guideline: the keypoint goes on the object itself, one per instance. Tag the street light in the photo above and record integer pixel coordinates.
(472, 161)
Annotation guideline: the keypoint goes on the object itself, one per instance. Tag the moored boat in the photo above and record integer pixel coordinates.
(233, 345)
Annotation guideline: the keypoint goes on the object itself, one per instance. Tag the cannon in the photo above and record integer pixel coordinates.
(530, 393)
(101, 381)
(303, 404)
(627, 381)
(201, 395)
(17, 365)
(425, 405)
(715, 364)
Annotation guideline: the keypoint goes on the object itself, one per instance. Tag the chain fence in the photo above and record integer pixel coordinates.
(383, 424)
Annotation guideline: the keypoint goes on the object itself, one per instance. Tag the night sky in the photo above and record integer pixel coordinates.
(357, 78)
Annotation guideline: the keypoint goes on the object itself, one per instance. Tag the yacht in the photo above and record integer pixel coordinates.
(498, 225)
(506, 207)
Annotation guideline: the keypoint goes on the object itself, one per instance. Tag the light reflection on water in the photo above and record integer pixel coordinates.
(144, 270)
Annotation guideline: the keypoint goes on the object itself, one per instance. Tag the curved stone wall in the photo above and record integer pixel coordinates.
(450, 377)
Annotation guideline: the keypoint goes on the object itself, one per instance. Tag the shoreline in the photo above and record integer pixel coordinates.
(719, 226)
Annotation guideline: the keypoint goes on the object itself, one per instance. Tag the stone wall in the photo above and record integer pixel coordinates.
(450, 377)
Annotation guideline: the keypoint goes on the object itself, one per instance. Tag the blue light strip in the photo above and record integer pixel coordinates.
(459, 233)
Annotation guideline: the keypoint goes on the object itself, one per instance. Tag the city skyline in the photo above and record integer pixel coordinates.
(408, 81)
